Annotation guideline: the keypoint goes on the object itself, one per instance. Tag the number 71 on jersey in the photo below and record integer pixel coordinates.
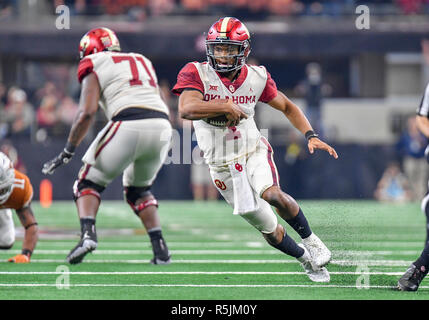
(134, 70)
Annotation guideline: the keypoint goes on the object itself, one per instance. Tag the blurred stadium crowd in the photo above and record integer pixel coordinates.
(139, 10)
(49, 109)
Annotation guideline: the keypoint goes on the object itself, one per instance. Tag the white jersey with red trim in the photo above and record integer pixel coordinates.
(222, 145)
(126, 80)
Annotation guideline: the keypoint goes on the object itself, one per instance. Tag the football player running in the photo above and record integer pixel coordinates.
(16, 192)
(220, 97)
(134, 142)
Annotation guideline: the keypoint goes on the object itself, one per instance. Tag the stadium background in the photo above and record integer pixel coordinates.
(373, 79)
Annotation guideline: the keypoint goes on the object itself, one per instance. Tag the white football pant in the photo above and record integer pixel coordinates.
(137, 148)
(7, 228)
(262, 174)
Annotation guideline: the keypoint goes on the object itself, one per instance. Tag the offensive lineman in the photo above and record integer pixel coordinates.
(417, 271)
(16, 193)
(220, 97)
(135, 141)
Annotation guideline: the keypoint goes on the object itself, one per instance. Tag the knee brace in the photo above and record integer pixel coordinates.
(132, 194)
(84, 187)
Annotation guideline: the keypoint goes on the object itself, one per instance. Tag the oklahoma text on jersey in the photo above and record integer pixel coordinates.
(236, 100)
(222, 145)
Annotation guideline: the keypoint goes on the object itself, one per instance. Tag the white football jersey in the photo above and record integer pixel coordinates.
(222, 145)
(126, 80)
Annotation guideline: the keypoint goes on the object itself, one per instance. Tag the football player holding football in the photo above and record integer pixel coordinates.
(220, 96)
(16, 192)
(134, 142)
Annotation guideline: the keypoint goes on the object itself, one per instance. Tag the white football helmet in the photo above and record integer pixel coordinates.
(7, 177)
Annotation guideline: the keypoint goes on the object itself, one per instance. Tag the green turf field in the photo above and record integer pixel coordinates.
(218, 256)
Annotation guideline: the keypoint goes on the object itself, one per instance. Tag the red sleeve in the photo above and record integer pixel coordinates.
(188, 77)
(85, 67)
(270, 90)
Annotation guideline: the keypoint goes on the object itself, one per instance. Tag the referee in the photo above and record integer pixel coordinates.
(416, 272)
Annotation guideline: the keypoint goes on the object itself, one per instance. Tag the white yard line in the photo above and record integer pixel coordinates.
(190, 273)
(197, 243)
(204, 237)
(172, 244)
(255, 251)
(149, 251)
(390, 263)
(202, 285)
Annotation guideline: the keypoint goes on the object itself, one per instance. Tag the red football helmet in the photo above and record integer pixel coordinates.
(97, 40)
(233, 34)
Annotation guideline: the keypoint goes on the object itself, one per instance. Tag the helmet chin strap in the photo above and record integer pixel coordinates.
(227, 74)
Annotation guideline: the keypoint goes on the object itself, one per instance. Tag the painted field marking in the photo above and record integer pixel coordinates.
(248, 244)
(391, 263)
(191, 273)
(203, 236)
(200, 285)
(149, 251)
(227, 252)
(171, 244)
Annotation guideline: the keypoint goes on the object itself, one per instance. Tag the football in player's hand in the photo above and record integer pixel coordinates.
(218, 121)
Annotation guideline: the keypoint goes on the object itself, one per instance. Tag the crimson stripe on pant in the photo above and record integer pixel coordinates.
(108, 140)
(271, 162)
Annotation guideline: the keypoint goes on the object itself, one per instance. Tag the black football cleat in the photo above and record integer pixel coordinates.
(412, 278)
(87, 243)
(161, 254)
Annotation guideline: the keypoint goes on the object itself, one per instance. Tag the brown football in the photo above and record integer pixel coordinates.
(219, 121)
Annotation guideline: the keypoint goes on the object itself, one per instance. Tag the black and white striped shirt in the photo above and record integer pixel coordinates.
(423, 109)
